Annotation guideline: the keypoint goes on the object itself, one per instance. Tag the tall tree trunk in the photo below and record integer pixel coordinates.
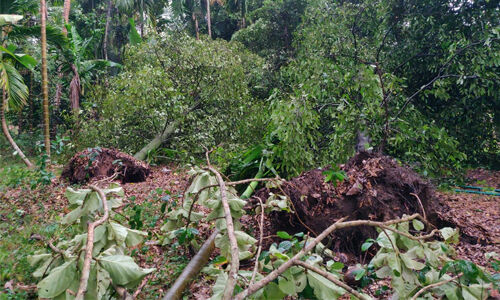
(209, 22)
(142, 19)
(66, 10)
(196, 28)
(45, 80)
(243, 13)
(5, 130)
(106, 30)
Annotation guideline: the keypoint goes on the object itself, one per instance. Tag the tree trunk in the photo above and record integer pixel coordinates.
(197, 30)
(209, 22)
(45, 81)
(142, 19)
(106, 30)
(158, 140)
(66, 9)
(5, 130)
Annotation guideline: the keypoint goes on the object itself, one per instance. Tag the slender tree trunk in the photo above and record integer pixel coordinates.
(195, 19)
(66, 10)
(106, 30)
(243, 13)
(209, 22)
(45, 81)
(5, 130)
(142, 18)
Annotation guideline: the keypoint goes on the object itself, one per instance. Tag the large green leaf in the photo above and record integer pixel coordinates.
(133, 35)
(324, 288)
(13, 83)
(122, 269)
(58, 280)
(76, 196)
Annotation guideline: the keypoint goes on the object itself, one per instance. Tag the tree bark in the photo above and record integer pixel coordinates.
(192, 269)
(45, 81)
(66, 10)
(196, 28)
(209, 22)
(6, 132)
(106, 30)
(158, 140)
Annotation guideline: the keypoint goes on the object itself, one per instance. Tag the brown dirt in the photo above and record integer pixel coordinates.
(103, 162)
(376, 188)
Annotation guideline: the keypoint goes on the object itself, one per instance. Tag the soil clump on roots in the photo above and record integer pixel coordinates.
(375, 188)
(101, 163)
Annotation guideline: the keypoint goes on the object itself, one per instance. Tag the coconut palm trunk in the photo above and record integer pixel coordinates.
(6, 132)
(45, 81)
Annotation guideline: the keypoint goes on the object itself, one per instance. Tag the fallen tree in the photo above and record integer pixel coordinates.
(299, 260)
(102, 163)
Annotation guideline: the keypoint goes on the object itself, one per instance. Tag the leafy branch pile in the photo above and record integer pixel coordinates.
(302, 266)
(93, 264)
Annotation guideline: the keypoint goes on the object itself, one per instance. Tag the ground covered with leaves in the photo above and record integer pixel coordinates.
(29, 218)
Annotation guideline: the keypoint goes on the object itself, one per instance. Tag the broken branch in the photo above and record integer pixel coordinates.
(90, 244)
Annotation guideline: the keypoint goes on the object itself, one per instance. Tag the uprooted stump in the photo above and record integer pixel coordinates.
(102, 163)
(376, 188)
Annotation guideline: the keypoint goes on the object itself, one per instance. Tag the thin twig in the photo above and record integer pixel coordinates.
(421, 206)
(431, 286)
(140, 287)
(90, 244)
(261, 237)
(330, 277)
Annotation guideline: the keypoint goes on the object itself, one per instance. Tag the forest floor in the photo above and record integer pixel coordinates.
(25, 213)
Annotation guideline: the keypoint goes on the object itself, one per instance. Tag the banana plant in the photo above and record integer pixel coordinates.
(81, 67)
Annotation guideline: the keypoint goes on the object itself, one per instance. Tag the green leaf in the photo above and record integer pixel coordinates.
(58, 280)
(284, 235)
(366, 245)
(418, 225)
(324, 288)
(133, 35)
(410, 263)
(122, 269)
(135, 237)
(450, 235)
(76, 196)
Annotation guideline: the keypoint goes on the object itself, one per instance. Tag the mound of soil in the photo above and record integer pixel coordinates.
(104, 162)
(376, 188)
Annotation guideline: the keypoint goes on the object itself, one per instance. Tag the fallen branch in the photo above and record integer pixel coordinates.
(431, 286)
(340, 224)
(261, 237)
(90, 244)
(235, 258)
(332, 278)
(193, 268)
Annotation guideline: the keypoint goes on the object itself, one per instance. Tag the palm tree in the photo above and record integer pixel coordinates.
(14, 91)
(45, 81)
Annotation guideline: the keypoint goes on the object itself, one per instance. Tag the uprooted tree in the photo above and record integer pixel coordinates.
(329, 212)
(302, 264)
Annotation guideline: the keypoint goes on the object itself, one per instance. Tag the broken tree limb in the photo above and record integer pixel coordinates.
(195, 265)
(332, 278)
(90, 244)
(340, 224)
(158, 140)
(235, 257)
(431, 286)
(168, 130)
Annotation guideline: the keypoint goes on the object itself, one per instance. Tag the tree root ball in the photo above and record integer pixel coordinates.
(376, 188)
(100, 163)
